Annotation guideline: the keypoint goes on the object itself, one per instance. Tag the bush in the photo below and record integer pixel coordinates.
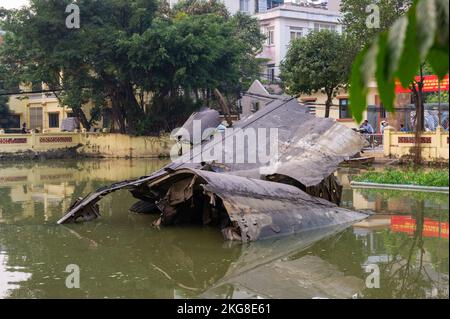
(438, 178)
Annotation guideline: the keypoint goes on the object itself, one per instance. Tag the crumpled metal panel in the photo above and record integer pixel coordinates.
(264, 209)
(309, 148)
(209, 118)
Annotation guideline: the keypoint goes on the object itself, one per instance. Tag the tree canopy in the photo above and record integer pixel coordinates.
(4, 112)
(422, 34)
(356, 13)
(151, 65)
(318, 62)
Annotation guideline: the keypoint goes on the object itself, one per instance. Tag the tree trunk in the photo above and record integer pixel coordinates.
(417, 90)
(82, 117)
(117, 115)
(77, 110)
(133, 111)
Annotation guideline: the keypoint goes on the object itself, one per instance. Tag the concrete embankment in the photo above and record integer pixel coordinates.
(62, 153)
(76, 145)
(125, 146)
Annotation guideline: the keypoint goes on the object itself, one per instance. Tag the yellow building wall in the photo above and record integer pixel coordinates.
(434, 146)
(121, 145)
(320, 98)
(19, 105)
(16, 143)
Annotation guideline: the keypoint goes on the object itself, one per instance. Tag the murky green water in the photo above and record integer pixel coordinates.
(122, 255)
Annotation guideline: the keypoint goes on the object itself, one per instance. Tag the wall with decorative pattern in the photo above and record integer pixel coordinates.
(434, 145)
(16, 143)
(90, 144)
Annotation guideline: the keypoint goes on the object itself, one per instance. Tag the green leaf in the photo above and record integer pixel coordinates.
(396, 43)
(385, 81)
(439, 52)
(442, 22)
(358, 87)
(410, 58)
(425, 26)
(438, 58)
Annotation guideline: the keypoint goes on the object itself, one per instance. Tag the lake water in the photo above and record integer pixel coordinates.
(400, 252)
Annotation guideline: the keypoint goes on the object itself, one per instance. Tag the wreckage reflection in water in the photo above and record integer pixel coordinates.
(122, 256)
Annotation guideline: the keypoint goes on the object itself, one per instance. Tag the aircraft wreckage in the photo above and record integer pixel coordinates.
(295, 192)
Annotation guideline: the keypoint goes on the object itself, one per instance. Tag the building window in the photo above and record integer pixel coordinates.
(324, 26)
(271, 72)
(261, 6)
(295, 33)
(274, 3)
(10, 121)
(244, 5)
(344, 109)
(36, 118)
(36, 86)
(14, 121)
(270, 36)
(382, 111)
(53, 120)
(255, 106)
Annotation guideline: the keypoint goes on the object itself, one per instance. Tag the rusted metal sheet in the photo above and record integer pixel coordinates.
(309, 151)
(256, 209)
(209, 120)
(309, 148)
(264, 209)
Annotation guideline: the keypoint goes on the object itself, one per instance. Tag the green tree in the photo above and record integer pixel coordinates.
(4, 108)
(422, 34)
(318, 62)
(246, 31)
(4, 112)
(434, 97)
(356, 13)
(199, 7)
(81, 65)
(419, 37)
(151, 65)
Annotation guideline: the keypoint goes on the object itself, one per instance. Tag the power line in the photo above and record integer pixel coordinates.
(30, 92)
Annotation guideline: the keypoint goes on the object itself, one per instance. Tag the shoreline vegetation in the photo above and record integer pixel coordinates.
(433, 178)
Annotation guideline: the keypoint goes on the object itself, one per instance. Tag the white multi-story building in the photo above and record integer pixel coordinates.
(248, 6)
(290, 20)
(284, 20)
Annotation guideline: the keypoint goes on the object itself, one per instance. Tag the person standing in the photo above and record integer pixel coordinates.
(383, 126)
(403, 129)
(24, 128)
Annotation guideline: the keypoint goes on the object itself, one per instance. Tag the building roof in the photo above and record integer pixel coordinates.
(290, 11)
(299, 8)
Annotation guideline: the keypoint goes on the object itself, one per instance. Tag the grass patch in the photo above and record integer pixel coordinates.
(436, 178)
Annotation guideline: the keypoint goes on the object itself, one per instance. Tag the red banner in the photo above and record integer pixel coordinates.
(430, 84)
(431, 228)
